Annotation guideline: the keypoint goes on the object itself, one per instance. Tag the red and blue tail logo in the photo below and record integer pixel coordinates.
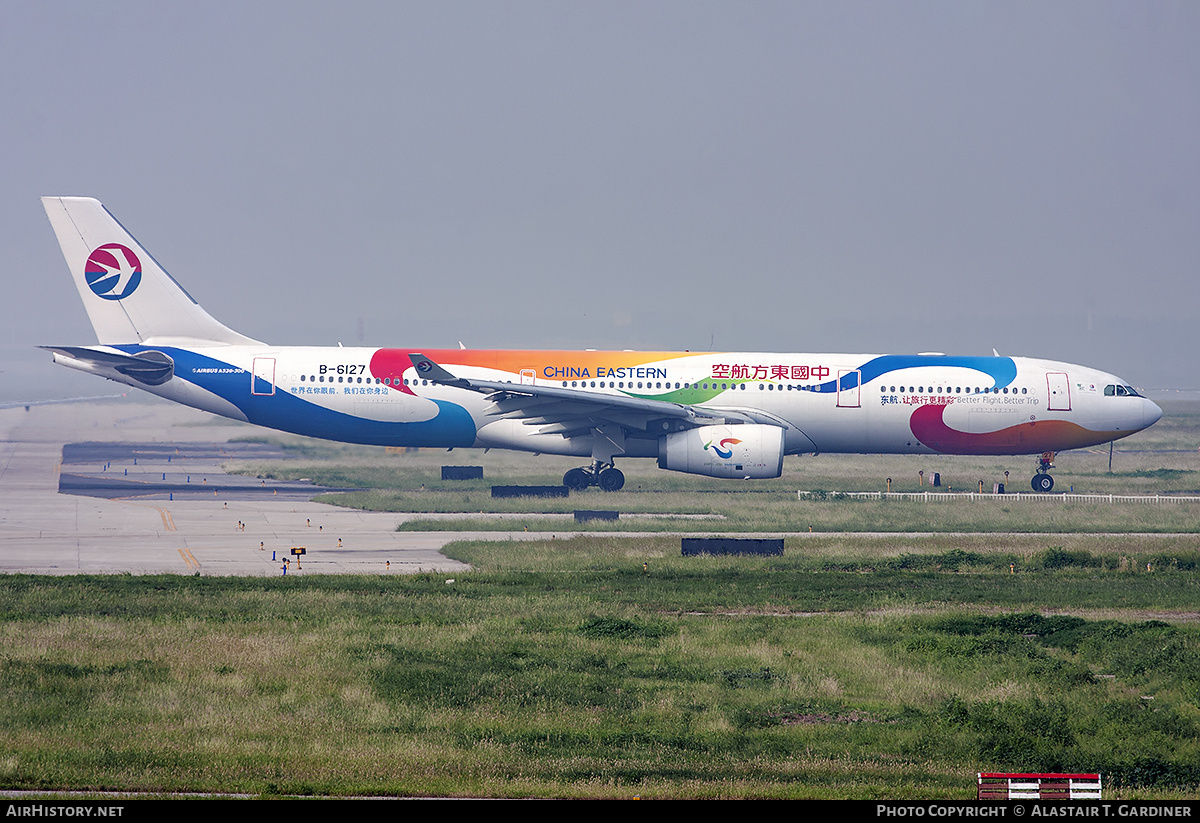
(113, 271)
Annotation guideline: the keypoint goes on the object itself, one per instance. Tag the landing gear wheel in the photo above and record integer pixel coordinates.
(577, 480)
(612, 480)
(1042, 483)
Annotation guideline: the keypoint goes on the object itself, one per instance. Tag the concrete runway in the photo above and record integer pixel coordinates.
(196, 519)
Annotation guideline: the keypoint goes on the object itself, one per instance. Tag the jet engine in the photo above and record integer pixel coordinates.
(748, 450)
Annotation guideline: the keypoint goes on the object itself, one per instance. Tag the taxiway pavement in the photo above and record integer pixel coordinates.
(151, 498)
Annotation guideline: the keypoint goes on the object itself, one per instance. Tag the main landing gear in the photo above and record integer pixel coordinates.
(1042, 481)
(605, 475)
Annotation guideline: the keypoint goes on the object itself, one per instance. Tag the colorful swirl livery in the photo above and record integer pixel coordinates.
(721, 414)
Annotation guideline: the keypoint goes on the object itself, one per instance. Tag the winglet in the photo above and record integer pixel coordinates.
(435, 373)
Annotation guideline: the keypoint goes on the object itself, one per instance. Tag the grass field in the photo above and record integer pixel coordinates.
(850, 667)
(1057, 638)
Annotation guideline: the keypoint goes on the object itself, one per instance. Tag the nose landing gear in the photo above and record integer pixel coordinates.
(1042, 481)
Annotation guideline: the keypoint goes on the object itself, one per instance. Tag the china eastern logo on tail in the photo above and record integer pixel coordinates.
(722, 450)
(113, 271)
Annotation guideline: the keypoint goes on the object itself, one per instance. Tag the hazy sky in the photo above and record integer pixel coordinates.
(802, 176)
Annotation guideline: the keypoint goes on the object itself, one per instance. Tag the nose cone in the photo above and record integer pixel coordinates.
(1150, 413)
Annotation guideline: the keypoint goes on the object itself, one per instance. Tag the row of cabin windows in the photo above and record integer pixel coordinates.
(620, 384)
(646, 384)
(385, 381)
(1109, 391)
(772, 387)
(955, 390)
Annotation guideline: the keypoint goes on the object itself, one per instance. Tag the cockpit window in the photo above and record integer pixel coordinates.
(1120, 391)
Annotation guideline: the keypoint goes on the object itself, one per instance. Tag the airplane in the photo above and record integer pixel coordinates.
(717, 414)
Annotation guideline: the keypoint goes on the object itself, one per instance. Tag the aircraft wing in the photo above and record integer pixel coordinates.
(572, 412)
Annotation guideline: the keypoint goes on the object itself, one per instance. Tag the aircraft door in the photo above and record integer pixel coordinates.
(848, 388)
(1059, 391)
(262, 380)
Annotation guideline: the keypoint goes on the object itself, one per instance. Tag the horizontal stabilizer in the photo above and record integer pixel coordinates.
(150, 368)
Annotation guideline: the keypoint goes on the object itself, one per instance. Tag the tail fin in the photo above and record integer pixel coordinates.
(129, 297)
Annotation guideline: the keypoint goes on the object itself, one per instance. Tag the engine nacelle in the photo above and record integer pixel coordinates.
(743, 450)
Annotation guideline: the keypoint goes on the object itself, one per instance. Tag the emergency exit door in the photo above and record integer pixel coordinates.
(262, 380)
(848, 389)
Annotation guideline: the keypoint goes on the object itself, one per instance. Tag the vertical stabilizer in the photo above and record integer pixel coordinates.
(129, 297)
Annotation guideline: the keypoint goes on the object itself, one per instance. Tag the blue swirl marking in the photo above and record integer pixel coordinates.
(452, 426)
(1002, 370)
